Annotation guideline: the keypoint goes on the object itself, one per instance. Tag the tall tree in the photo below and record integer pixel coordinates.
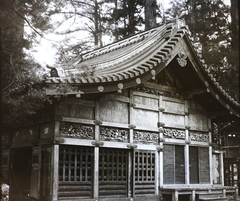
(21, 80)
(150, 13)
(208, 21)
(235, 33)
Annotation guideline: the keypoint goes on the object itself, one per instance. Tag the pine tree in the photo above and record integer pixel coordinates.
(21, 81)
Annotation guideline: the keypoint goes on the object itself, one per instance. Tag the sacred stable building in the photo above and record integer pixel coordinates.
(135, 123)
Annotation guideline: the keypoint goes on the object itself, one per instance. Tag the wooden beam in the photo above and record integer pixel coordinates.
(190, 94)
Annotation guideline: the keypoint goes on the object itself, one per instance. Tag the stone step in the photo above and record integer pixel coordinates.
(214, 199)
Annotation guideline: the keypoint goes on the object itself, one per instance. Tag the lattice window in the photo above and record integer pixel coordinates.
(75, 164)
(112, 165)
(75, 172)
(113, 172)
(144, 167)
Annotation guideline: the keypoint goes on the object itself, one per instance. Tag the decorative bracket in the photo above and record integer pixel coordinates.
(59, 140)
(97, 122)
(160, 124)
(131, 126)
(161, 140)
(97, 143)
(182, 59)
(132, 146)
(159, 148)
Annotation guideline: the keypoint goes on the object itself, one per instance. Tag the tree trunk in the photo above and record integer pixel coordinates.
(235, 33)
(150, 14)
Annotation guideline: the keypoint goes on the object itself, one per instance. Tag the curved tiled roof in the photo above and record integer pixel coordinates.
(125, 63)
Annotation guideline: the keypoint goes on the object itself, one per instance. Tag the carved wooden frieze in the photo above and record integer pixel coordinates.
(172, 94)
(215, 136)
(114, 134)
(174, 133)
(76, 130)
(145, 137)
(169, 94)
(198, 136)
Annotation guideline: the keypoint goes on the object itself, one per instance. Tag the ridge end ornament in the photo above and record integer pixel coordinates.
(182, 58)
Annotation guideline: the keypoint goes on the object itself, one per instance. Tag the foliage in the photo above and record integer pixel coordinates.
(209, 23)
(21, 77)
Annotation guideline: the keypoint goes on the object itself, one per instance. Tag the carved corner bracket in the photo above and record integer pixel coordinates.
(160, 124)
(58, 140)
(97, 122)
(132, 146)
(97, 143)
(161, 140)
(159, 148)
(131, 126)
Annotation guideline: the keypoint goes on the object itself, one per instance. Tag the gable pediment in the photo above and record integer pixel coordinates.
(163, 55)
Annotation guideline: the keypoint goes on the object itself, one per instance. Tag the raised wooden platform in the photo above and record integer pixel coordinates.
(200, 194)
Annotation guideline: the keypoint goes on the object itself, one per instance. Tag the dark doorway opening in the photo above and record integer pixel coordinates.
(20, 173)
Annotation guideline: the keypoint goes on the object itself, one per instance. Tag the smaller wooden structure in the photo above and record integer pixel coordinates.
(136, 124)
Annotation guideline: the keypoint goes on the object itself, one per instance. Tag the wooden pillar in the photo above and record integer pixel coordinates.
(193, 196)
(96, 166)
(175, 195)
(222, 168)
(156, 174)
(55, 160)
(210, 151)
(186, 150)
(186, 158)
(131, 173)
(160, 154)
(96, 173)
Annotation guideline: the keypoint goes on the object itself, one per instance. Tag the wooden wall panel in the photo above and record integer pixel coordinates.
(193, 165)
(174, 107)
(172, 120)
(179, 165)
(75, 110)
(81, 111)
(153, 102)
(204, 170)
(145, 118)
(216, 169)
(198, 121)
(113, 111)
(168, 164)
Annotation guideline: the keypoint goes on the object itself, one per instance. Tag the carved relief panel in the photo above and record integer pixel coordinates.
(145, 137)
(114, 134)
(76, 130)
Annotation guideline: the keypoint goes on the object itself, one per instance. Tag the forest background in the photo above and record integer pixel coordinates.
(79, 26)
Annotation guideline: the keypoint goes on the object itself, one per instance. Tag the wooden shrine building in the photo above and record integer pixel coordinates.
(135, 123)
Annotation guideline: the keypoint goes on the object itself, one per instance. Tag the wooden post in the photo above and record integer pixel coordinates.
(175, 195)
(96, 173)
(210, 151)
(222, 168)
(156, 173)
(55, 158)
(193, 196)
(160, 155)
(96, 165)
(186, 153)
